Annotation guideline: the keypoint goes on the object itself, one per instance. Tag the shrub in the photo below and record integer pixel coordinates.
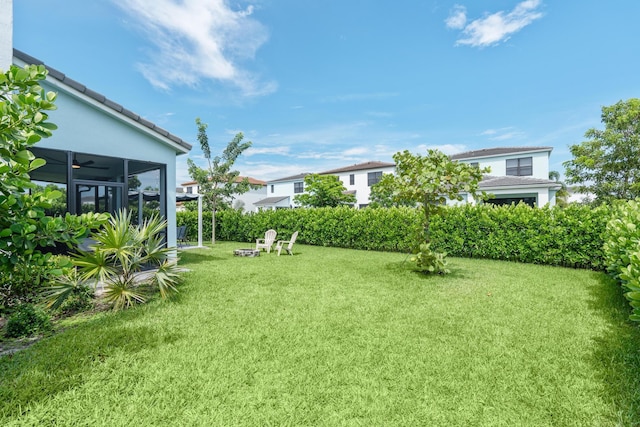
(571, 237)
(69, 294)
(430, 261)
(121, 252)
(27, 320)
(622, 251)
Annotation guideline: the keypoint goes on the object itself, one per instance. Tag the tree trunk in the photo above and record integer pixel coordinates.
(427, 217)
(213, 227)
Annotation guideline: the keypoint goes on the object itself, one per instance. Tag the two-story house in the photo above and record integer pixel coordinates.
(246, 201)
(281, 192)
(517, 174)
(359, 178)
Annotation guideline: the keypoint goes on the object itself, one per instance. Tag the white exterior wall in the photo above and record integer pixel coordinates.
(6, 34)
(249, 198)
(284, 189)
(498, 164)
(361, 183)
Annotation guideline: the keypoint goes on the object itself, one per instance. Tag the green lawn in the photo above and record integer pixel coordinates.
(342, 337)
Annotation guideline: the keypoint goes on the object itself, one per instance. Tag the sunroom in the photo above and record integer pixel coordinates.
(104, 157)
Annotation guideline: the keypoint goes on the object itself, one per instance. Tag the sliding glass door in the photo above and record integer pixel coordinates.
(92, 196)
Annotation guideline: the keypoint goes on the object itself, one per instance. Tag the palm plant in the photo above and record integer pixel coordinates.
(121, 252)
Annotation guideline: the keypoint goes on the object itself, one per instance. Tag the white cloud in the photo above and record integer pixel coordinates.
(195, 40)
(457, 18)
(503, 134)
(281, 150)
(356, 151)
(493, 28)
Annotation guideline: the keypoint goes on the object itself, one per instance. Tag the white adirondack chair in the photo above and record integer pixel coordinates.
(289, 243)
(267, 242)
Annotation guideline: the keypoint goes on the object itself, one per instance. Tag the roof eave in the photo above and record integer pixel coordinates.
(78, 90)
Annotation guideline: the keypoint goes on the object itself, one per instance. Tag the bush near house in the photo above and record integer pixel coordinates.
(571, 237)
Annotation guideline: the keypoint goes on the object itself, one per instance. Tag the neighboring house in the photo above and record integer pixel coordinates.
(246, 201)
(517, 174)
(103, 156)
(281, 193)
(359, 178)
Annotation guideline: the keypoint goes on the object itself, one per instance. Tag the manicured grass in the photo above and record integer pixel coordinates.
(342, 337)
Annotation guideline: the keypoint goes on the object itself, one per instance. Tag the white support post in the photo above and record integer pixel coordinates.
(199, 220)
(6, 34)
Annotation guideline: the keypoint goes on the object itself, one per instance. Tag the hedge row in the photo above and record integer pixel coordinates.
(573, 236)
(622, 251)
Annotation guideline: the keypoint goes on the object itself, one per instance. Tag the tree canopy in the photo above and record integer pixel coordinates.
(324, 191)
(607, 164)
(218, 183)
(429, 181)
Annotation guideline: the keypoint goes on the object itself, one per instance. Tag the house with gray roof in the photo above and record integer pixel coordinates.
(103, 156)
(517, 174)
(281, 192)
(359, 178)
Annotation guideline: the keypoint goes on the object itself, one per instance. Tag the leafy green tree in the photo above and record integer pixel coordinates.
(134, 182)
(218, 182)
(382, 194)
(607, 165)
(324, 191)
(25, 229)
(429, 181)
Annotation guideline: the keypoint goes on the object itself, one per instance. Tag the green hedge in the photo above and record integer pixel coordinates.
(622, 251)
(569, 237)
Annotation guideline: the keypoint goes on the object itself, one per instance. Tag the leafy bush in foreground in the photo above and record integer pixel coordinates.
(622, 251)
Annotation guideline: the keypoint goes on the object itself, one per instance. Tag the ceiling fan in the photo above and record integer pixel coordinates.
(75, 164)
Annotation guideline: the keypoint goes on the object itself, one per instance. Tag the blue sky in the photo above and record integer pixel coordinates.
(317, 85)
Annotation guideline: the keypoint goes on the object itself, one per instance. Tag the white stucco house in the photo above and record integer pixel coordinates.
(104, 156)
(281, 193)
(245, 201)
(517, 174)
(359, 178)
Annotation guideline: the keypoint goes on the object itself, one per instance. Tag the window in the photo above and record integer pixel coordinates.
(352, 179)
(298, 187)
(475, 165)
(373, 178)
(531, 201)
(520, 167)
(189, 190)
(272, 188)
